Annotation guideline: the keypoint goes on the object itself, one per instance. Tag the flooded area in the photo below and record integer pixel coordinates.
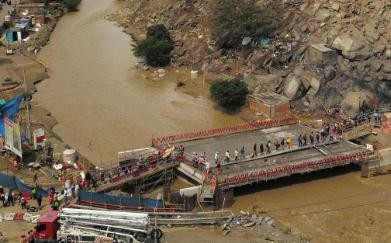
(102, 103)
(336, 205)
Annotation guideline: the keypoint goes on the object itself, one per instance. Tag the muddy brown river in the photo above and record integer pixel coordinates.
(104, 105)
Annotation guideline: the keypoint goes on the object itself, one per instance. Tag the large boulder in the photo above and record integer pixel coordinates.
(292, 85)
(266, 83)
(322, 15)
(353, 99)
(353, 45)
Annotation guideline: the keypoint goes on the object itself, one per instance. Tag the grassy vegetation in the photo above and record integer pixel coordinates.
(232, 20)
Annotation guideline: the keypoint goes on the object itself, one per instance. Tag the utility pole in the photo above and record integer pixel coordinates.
(203, 76)
(28, 131)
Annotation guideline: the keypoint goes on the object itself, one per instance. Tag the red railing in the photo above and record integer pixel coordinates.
(288, 169)
(223, 131)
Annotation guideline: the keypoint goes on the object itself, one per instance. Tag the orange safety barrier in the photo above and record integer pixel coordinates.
(306, 166)
(223, 131)
(18, 216)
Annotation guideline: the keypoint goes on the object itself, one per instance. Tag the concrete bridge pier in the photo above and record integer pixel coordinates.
(223, 198)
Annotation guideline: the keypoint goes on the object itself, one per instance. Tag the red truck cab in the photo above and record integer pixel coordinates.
(47, 226)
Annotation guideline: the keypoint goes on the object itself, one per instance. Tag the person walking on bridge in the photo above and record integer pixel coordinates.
(283, 144)
(305, 140)
(299, 140)
(261, 149)
(255, 150)
(277, 144)
(312, 137)
(227, 156)
(289, 143)
(236, 154)
(317, 137)
(217, 157)
(268, 147)
(242, 151)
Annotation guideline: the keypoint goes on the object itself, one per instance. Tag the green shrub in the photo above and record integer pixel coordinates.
(156, 48)
(72, 4)
(232, 20)
(157, 53)
(158, 32)
(230, 94)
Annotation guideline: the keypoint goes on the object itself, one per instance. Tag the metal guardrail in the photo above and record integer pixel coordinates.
(292, 168)
(358, 131)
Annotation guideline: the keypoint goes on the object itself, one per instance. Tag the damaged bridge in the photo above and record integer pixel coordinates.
(248, 169)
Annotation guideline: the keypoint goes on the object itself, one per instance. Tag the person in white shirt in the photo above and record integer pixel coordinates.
(227, 156)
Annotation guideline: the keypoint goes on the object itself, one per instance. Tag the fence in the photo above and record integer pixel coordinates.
(19, 216)
(358, 131)
(223, 131)
(12, 182)
(289, 169)
(113, 202)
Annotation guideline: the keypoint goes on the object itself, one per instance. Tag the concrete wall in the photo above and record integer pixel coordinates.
(385, 157)
(259, 107)
(270, 111)
(282, 109)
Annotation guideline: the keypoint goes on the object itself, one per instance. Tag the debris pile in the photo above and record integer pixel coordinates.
(263, 226)
(245, 219)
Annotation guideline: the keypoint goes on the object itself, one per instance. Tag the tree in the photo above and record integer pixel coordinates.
(156, 48)
(72, 4)
(158, 32)
(232, 20)
(230, 93)
(157, 53)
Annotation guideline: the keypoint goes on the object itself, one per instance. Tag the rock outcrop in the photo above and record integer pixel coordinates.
(324, 49)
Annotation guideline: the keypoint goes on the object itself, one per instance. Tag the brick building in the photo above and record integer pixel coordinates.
(269, 104)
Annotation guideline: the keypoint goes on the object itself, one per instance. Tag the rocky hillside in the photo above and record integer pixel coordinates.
(325, 53)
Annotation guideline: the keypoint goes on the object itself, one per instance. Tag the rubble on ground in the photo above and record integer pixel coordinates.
(261, 223)
(245, 219)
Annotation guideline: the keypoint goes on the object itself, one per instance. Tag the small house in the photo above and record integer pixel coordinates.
(14, 34)
(269, 104)
(35, 11)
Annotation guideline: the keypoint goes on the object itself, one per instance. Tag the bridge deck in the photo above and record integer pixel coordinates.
(126, 178)
(276, 159)
(297, 156)
(247, 139)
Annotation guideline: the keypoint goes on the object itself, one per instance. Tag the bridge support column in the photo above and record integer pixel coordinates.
(189, 202)
(224, 198)
(167, 192)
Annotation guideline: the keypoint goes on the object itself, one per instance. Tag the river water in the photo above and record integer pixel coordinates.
(103, 105)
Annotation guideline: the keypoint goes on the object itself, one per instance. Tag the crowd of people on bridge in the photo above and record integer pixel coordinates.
(330, 132)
